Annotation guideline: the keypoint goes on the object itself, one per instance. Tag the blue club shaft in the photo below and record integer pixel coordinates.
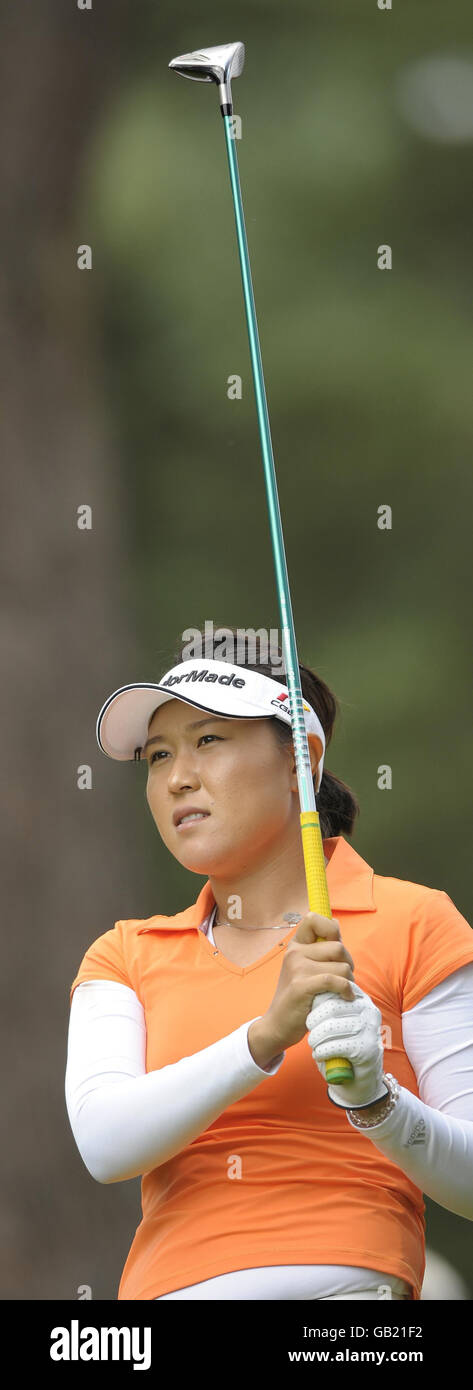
(299, 734)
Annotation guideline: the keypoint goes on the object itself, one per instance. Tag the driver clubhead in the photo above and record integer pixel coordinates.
(218, 65)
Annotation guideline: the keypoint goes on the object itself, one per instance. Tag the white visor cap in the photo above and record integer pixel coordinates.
(219, 687)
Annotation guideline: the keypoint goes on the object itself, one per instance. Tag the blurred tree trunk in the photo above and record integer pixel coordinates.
(67, 870)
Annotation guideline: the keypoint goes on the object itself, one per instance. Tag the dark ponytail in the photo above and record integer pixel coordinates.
(337, 804)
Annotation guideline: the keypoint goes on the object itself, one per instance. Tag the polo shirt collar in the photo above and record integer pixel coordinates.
(349, 883)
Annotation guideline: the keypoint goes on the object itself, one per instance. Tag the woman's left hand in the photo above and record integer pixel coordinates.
(349, 1028)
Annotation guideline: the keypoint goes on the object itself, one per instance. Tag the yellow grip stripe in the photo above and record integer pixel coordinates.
(337, 1069)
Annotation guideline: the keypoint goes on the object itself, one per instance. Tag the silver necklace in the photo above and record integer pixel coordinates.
(290, 917)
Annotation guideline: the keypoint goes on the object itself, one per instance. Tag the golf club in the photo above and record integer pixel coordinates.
(220, 65)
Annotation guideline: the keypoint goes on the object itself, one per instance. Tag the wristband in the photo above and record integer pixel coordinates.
(390, 1099)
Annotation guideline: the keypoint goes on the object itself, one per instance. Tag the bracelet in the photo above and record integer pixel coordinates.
(388, 1106)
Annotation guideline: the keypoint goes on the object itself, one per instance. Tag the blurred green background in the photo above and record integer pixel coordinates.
(368, 376)
(357, 127)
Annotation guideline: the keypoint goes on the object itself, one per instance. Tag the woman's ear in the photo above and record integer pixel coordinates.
(315, 753)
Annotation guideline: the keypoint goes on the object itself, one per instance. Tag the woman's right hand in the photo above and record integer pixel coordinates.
(309, 967)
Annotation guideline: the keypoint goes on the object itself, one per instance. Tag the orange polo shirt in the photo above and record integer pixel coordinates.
(313, 1189)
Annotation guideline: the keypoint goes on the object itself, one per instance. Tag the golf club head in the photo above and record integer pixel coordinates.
(218, 65)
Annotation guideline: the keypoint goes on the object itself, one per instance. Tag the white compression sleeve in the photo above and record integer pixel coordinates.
(431, 1138)
(126, 1121)
(108, 1091)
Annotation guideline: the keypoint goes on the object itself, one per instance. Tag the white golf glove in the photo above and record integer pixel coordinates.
(349, 1028)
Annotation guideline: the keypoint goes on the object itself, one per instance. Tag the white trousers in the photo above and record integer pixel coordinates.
(296, 1282)
(364, 1293)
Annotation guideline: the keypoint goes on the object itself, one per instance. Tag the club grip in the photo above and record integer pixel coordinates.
(338, 1070)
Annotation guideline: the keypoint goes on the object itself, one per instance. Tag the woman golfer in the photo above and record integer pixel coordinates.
(197, 1041)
